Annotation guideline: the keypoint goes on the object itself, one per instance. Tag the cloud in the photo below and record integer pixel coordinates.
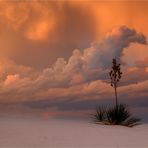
(134, 75)
(14, 14)
(44, 30)
(134, 91)
(51, 29)
(135, 53)
(41, 21)
(142, 63)
(91, 63)
(82, 76)
(34, 19)
(9, 67)
(114, 44)
(11, 79)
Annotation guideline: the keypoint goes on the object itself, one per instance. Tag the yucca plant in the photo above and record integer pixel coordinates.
(117, 115)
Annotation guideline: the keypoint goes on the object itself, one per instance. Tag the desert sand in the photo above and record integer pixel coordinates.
(60, 133)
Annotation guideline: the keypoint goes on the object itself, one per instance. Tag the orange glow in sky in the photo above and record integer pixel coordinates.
(60, 51)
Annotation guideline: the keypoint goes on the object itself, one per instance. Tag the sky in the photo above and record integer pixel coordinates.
(55, 56)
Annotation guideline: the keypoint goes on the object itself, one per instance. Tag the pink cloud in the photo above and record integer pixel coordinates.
(11, 79)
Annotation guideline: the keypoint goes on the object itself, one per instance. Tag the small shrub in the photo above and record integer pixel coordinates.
(118, 115)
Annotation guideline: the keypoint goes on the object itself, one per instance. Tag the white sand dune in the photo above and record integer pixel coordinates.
(40, 133)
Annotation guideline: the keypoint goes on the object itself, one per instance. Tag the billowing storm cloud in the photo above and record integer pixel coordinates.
(85, 70)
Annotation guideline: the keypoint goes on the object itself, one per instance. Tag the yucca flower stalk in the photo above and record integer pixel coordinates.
(115, 76)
